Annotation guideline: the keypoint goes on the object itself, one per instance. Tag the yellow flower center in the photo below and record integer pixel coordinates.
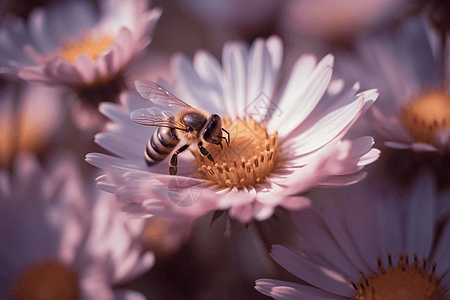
(427, 115)
(89, 45)
(154, 231)
(252, 156)
(46, 281)
(404, 282)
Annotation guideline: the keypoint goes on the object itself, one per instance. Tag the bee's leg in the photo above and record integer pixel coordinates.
(205, 152)
(227, 140)
(173, 163)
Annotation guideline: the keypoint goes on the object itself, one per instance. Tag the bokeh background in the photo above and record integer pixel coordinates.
(207, 264)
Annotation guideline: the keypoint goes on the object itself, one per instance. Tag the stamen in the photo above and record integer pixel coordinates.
(427, 115)
(89, 45)
(401, 282)
(252, 156)
(47, 280)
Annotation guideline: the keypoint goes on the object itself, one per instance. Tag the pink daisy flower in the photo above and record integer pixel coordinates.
(283, 141)
(58, 245)
(368, 248)
(414, 111)
(68, 44)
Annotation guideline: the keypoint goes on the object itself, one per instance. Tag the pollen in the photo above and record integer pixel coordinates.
(89, 45)
(406, 281)
(251, 157)
(427, 115)
(48, 280)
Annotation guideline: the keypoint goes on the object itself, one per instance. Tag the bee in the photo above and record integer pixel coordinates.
(189, 126)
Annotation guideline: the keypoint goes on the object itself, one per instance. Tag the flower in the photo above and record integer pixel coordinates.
(67, 44)
(51, 229)
(29, 120)
(352, 249)
(414, 111)
(299, 145)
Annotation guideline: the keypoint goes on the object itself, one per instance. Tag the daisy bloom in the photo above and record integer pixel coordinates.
(68, 44)
(58, 245)
(368, 248)
(414, 110)
(282, 141)
(29, 120)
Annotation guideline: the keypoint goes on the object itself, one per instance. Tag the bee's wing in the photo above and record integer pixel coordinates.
(154, 116)
(158, 95)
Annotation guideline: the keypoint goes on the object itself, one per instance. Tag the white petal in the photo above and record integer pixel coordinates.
(234, 60)
(274, 45)
(314, 133)
(260, 77)
(312, 273)
(396, 145)
(283, 290)
(313, 229)
(304, 90)
(389, 231)
(198, 93)
(390, 127)
(419, 222)
(422, 147)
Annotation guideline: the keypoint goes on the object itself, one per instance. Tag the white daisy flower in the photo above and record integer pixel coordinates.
(282, 141)
(414, 111)
(68, 44)
(368, 248)
(55, 246)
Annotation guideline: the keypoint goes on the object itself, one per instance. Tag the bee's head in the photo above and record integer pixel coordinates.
(213, 130)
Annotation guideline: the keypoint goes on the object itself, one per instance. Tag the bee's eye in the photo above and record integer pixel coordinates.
(188, 128)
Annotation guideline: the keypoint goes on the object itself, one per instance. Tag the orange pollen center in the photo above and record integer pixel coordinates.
(404, 282)
(89, 45)
(46, 281)
(252, 156)
(155, 230)
(427, 115)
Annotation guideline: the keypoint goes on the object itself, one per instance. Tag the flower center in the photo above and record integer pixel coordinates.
(427, 115)
(89, 45)
(406, 282)
(46, 281)
(251, 157)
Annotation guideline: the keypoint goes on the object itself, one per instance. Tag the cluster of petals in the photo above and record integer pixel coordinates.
(343, 240)
(31, 50)
(402, 65)
(310, 127)
(49, 216)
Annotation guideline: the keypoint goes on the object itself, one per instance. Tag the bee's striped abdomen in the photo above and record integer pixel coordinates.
(160, 145)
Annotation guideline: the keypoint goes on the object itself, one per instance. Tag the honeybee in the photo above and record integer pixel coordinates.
(189, 126)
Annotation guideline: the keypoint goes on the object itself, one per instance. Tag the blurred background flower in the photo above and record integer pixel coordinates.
(71, 44)
(61, 242)
(353, 249)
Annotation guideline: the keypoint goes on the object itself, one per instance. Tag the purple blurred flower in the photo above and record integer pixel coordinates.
(344, 240)
(414, 108)
(62, 241)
